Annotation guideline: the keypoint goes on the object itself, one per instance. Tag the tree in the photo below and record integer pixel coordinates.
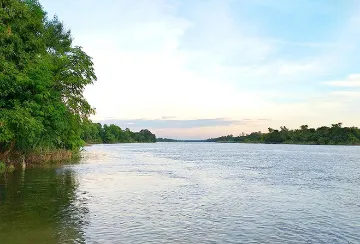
(42, 79)
(304, 127)
(146, 136)
(337, 125)
(336, 134)
(96, 133)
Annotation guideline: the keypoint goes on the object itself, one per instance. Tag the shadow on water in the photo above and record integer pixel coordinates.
(41, 205)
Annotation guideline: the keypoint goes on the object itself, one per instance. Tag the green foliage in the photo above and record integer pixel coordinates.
(42, 79)
(173, 140)
(2, 167)
(334, 135)
(95, 133)
(165, 140)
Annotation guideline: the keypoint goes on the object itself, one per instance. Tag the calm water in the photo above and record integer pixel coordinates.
(188, 193)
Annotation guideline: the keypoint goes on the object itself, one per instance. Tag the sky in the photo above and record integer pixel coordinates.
(194, 69)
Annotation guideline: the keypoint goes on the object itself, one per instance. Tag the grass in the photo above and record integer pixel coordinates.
(41, 157)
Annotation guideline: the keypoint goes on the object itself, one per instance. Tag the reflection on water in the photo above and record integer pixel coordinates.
(41, 205)
(188, 193)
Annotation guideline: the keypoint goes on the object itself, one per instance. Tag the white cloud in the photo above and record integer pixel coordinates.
(352, 80)
(348, 94)
(199, 67)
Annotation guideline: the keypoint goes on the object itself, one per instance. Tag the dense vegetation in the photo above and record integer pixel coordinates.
(42, 79)
(94, 133)
(174, 140)
(334, 135)
(165, 140)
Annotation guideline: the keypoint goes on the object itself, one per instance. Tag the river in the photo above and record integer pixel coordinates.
(187, 193)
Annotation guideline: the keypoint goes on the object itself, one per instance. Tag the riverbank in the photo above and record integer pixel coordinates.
(290, 143)
(20, 160)
(334, 135)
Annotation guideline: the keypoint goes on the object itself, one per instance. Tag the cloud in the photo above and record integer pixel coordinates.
(313, 45)
(178, 124)
(252, 60)
(347, 94)
(352, 80)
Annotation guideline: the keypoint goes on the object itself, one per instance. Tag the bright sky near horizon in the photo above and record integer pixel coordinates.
(197, 69)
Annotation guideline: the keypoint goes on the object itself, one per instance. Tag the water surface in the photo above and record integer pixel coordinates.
(188, 193)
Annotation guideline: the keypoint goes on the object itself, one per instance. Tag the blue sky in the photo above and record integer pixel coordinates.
(198, 69)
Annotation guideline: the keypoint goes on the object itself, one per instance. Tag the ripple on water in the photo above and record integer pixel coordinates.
(188, 193)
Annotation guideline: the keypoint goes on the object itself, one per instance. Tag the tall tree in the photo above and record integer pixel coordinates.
(42, 79)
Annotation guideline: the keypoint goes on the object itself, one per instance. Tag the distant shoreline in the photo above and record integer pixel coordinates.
(334, 135)
(262, 143)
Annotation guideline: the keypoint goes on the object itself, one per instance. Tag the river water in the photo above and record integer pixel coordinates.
(187, 193)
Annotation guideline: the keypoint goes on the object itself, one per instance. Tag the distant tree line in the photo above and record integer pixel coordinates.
(174, 140)
(95, 133)
(334, 135)
(165, 140)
